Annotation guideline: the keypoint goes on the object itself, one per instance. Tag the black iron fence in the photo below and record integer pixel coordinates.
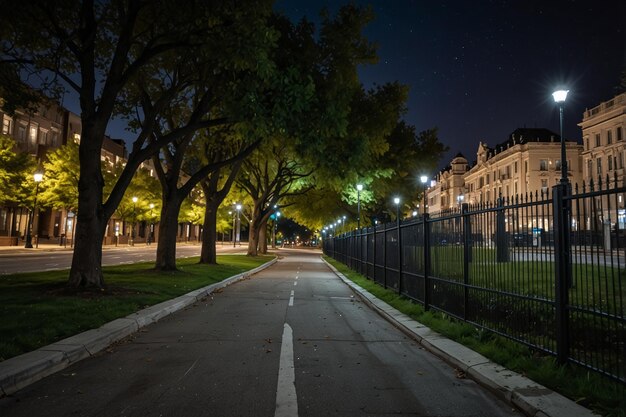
(545, 270)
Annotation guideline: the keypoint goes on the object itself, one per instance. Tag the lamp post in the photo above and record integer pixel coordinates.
(151, 235)
(559, 98)
(238, 207)
(424, 180)
(37, 176)
(359, 188)
(276, 216)
(233, 236)
(132, 230)
(396, 201)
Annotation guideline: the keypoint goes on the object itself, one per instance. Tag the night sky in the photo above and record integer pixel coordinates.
(478, 70)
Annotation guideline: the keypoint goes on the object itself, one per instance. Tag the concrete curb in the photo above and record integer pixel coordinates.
(21, 371)
(531, 398)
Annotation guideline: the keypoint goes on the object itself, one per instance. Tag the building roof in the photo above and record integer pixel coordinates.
(526, 135)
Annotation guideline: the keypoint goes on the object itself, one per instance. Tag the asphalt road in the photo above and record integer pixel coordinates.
(291, 341)
(51, 258)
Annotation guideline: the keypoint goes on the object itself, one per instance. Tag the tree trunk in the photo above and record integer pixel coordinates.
(86, 270)
(168, 228)
(208, 253)
(263, 239)
(253, 239)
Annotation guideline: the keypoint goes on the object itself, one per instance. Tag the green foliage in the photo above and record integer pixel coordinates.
(59, 188)
(16, 175)
(145, 189)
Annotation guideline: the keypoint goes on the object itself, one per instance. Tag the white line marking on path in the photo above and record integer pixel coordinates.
(295, 283)
(286, 398)
(291, 299)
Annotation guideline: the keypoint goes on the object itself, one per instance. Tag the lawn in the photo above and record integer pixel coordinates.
(38, 308)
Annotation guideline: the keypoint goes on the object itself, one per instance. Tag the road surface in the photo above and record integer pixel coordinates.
(29, 260)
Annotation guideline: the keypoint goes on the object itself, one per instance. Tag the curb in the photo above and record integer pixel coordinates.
(21, 371)
(531, 398)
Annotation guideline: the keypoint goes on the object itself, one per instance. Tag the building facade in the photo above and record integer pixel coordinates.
(37, 133)
(529, 161)
(604, 129)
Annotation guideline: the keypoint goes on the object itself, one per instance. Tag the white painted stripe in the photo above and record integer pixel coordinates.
(286, 398)
(295, 283)
(291, 299)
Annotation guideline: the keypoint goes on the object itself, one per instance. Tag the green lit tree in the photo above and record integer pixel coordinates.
(16, 178)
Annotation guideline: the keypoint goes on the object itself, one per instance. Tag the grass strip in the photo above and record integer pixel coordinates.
(587, 388)
(38, 308)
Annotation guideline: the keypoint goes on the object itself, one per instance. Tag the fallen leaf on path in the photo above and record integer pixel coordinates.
(459, 373)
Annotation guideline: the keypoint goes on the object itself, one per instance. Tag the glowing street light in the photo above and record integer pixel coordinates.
(396, 201)
(151, 235)
(237, 225)
(359, 188)
(37, 176)
(424, 180)
(132, 230)
(559, 98)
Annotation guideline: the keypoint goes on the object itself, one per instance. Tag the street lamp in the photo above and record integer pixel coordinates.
(151, 236)
(424, 180)
(559, 98)
(460, 199)
(359, 188)
(37, 176)
(132, 231)
(396, 201)
(238, 207)
(274, 229)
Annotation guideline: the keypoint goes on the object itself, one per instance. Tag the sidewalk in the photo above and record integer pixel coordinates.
(533, 399)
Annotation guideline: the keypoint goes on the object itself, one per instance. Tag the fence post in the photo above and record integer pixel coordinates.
(562, 278)
(466, 257)
(399, 256)
(364, 258)
(426, 262)
(374, 254)
(385, 255)
(502, 242)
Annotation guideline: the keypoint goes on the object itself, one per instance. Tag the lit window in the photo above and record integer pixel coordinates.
(6, 125)
(33, 134)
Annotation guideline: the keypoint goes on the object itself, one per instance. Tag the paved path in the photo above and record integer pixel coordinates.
(238, 352)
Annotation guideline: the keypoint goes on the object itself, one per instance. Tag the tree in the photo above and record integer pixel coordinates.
(16, 177)
(330, 58)
(379, 151)
(98, 50)
(59, 188)
(215, 188)
(267, 177)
